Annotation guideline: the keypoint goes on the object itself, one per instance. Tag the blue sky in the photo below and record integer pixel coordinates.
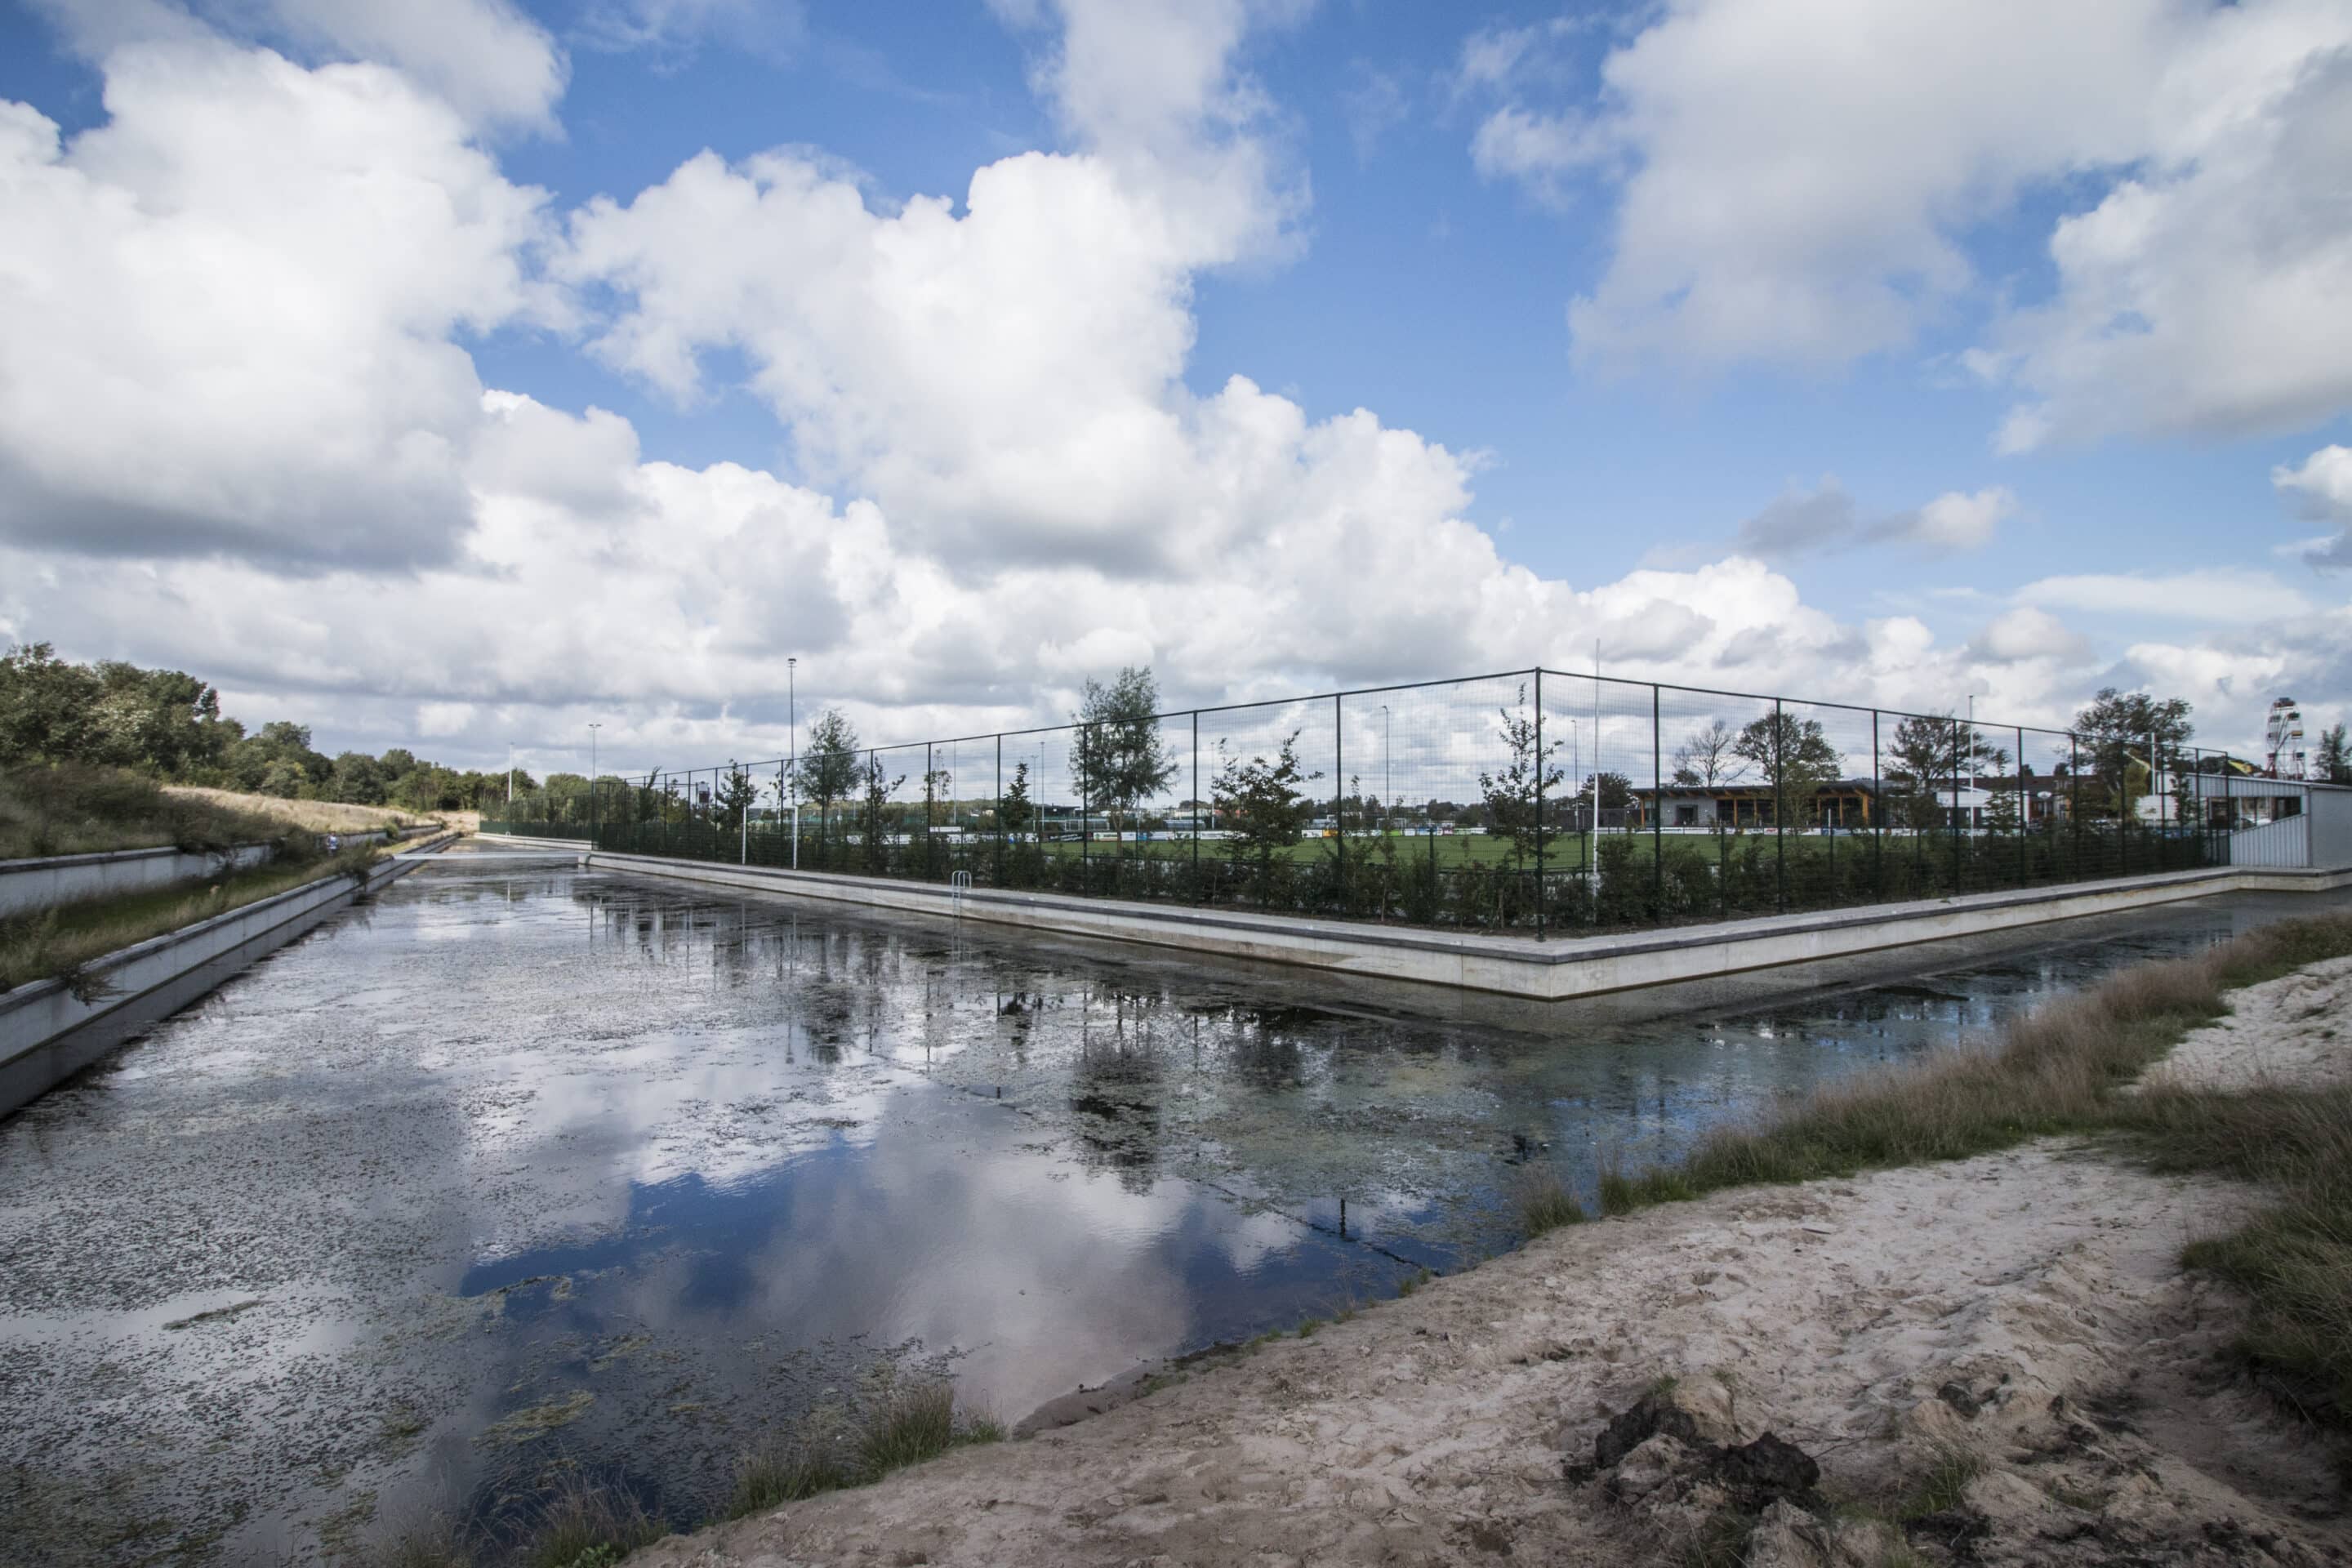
(1830, 287)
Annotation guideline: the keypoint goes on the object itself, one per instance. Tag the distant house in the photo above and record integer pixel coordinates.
(1748, 807)
(1849, 805)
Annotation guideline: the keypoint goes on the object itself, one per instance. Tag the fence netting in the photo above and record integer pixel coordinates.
(1539, 802)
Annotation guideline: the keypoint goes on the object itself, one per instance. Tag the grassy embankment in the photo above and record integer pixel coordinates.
(2056, 1071)
(70, 810)
(74, 810)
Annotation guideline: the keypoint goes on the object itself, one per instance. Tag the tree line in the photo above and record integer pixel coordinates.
(167, 724)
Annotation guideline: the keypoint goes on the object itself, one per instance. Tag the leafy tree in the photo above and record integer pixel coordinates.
(1924, 757)
(2333, 760)
(1616, 791)
(45, 707)
(1014, 812)
(736, 794)
(1119, 757)
(828, 768)
(1709, 757)
(358, 779)
(2122, 735)
(1796, 759)
(1512, 795)
(938, 798)
(1260, 803)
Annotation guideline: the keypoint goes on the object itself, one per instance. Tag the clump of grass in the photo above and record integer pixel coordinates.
(1545, 1203)
(1307, 1330)
(1617, 1192)
(1413, 1282)
(2295, 1260)
(1944, 1486)
(768, 1481)
(906, 1427)
(583, 1525)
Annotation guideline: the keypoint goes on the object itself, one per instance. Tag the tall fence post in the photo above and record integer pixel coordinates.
(1339, 798)
(1000, 808)
(1542, 766)
(1957, 882)
(2074, 800)
(1199, 893)
(1085, 813)
(1780, 815)
(2024, 812)
(1657, 813)
(1877, 812)
(2228, 844)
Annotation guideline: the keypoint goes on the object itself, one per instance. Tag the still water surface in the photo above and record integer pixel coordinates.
(519, 1166)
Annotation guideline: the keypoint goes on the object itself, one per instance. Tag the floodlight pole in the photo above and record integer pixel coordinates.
(592, 780)
(1388, 782)
(510, 773)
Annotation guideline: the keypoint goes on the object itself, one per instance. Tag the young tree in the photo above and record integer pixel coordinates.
(1014, 812)
(1709, 756)
(2333, 760)
(1119, 757)
(1260, 803)
(879, 787)
(2122, 736)
(938, 798)
(828, 768)
(736, 794)
(1796, 759)
(1512, 795)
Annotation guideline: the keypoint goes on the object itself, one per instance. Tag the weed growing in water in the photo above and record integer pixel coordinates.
(1546, 1203)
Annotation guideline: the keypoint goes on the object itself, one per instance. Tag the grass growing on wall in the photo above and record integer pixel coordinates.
(61, 940)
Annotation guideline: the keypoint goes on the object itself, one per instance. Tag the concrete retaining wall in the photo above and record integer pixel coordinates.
(1511, 965)
(50, 1030)
(28, 885)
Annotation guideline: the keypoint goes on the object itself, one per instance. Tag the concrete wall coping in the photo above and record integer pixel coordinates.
(111, 857)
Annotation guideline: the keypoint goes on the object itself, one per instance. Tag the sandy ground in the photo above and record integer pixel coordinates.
(2019, 1325)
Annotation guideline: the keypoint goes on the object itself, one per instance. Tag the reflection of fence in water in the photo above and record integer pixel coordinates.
(1538, 800)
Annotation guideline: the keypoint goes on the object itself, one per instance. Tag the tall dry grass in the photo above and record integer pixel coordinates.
(310, 815)
(71, 809)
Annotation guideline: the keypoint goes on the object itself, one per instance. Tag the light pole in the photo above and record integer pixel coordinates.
(793, 712)
(511, 773)
(592, 780)
(1388, 782)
